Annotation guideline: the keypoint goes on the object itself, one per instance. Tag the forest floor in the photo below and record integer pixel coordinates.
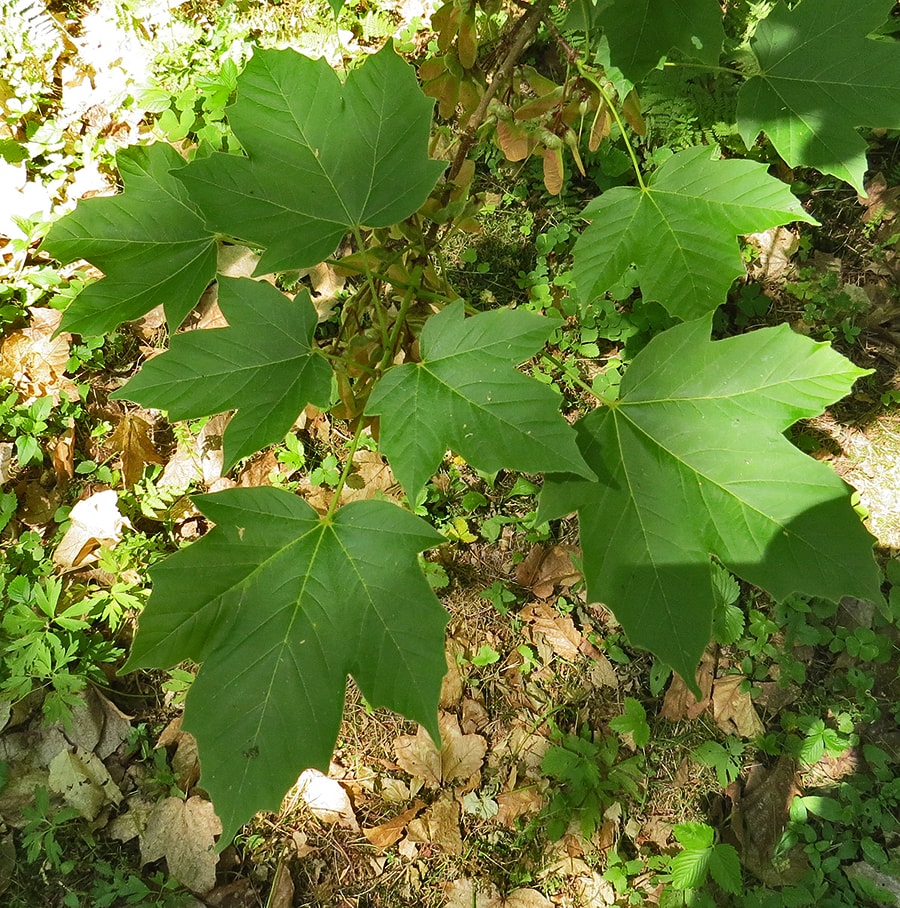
(567, 757)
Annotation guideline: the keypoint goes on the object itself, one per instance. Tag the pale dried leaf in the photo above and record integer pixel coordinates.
(183, 832)
(776, 247)
(439, 825)
(452, 685)
(602, 673)
(6, 450)
(95, 521)
(417, 755)
(525, 898)
(326, 799)
(733, 709)
(461, 755)
(558, 630)
(83, 781)
(467, 893)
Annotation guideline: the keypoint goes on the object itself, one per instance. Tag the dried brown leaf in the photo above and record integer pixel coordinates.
(439, 826)
(679, 703)
(517, 803)
(600, 128)
(35, 361)
(460, 757)
(733, 709)
(386, 834)
(133, 442)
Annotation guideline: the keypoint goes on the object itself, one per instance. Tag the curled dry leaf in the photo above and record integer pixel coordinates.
(95, 522)
(35, 361)
(184, 833)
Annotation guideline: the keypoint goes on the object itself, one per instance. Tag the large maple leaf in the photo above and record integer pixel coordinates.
(262, 365)
(322, 157)
(640, 32)
(280, 607)
(466, 395)
(149, 241)
(693, 465)
(820, 78)
(681, 231)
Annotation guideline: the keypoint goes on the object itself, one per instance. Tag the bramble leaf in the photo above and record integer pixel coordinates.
(820, 78)
(280, 606)
(322, 157)
(640, 32)
(681, 230)
(466, 395)
(693, 464)
(149, 242)
(262, 365)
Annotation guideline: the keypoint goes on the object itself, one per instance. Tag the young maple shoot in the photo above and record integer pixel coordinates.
(281, 604)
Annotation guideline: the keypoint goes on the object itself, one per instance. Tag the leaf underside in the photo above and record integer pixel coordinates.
(694, 465)
(149, 241)
(280, 606)
(322, 158)
(261, 365)
(820, 78)
(467, 396)
(681, 232)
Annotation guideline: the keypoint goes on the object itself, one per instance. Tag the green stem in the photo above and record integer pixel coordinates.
(348, 465)
(708, 68)
(370, 281)
(576, 378)
(390, 351)
(401, 285)
(586, 74)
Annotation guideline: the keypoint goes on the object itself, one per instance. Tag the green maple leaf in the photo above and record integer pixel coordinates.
(640, 32)
(263, 365)
(693, 464)
(820, 78)
(322, 158)
(467, 396)
(280, 606)
(681, 230)
(149, 242)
